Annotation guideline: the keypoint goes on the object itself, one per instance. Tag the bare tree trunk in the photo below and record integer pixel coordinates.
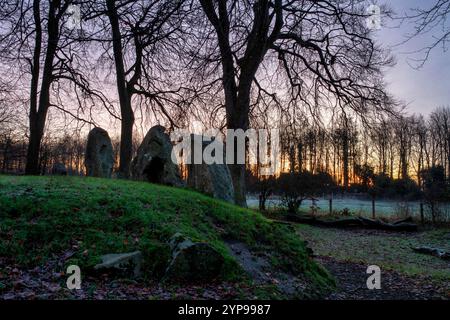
(34, 145)
(237, 94)
(5, 154)
(38, 113)
(345, 151)
(126, 139)
(239, 120)
(448, 155)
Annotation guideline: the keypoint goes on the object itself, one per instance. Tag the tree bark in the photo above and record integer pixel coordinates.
(448, 154)
(237, 93)
(38, 113)
(126, 133)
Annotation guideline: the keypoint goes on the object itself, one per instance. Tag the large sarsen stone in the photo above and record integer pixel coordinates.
(212, 179)
(99, 157)
(153, 162)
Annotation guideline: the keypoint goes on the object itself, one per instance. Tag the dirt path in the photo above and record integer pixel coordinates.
(405, 274)
(262, 273)
(351, 284)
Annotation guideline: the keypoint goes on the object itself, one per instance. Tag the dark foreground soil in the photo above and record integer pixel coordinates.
(405, 274)
(43, 283)
(346, 254)
(351, 284)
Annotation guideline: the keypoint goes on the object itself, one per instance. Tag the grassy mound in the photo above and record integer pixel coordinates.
(43, 217)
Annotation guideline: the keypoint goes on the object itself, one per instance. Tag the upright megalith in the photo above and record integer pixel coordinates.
(99, 159)
(212, 179)
(153, 162)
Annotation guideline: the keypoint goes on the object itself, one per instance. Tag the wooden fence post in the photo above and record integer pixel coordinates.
(373, 207)
(422, 218)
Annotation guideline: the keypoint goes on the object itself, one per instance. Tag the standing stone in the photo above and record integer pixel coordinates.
(99, 157)
(59, 169)
(211, 179)
(153, 162)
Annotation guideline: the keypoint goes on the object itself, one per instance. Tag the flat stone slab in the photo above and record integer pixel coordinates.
(123, 262)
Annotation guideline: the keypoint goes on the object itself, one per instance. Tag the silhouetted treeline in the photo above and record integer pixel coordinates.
(404, 158)
(352, 152)
(67, 149)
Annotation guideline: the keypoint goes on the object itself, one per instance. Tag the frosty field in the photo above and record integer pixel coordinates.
(363, 207)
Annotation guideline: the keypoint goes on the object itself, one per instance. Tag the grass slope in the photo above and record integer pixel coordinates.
(43, 217)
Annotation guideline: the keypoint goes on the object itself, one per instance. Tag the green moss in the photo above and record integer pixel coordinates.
(41, 217)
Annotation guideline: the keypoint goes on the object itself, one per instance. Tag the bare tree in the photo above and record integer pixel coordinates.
(439, 124)
(322, 48)
(6, 112)
(37, 40)
(431, 20)
(403, 135)
(137, 34)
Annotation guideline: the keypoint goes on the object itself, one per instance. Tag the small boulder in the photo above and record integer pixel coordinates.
(99, 159)
(193, 261)
(59, 169)
(153, 162)
(122, 263)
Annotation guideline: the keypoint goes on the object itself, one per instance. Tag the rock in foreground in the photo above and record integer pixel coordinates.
(193, 262)
(123, 263)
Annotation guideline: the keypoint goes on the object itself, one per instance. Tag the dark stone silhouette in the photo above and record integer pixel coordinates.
(59, 169)
(211, 179)
(99, 158)
(153, 162)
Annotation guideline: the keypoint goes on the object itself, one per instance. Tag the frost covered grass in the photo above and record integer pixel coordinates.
(389, 250)
(390, 209)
